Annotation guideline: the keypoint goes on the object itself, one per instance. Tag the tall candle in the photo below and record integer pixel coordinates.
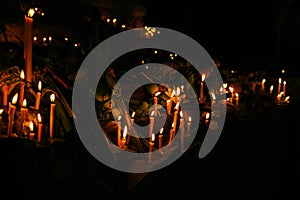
(263, 84)
(22, 88)
(232, 94)
(172, 133)
(151, 146)
(52, 111)
(123, 142)
(155, 102)
(189, 123)
(5, 94)
(38, 96)
(237, 99)
(279, 85)
(176, 115)
(40, 127)
(12, 109)
(181, 131)
(169, 106)
(28, 44)
(202, 86)
(119, 131)
(23, 112)
(160, 137)
(151, 118)
(284, 88)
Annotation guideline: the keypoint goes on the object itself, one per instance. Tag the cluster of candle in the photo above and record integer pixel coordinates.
(281, 90)
(24, 118)
(123, 140)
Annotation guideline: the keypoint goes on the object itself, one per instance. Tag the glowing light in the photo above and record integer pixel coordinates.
(153, 137)
(114, 20)
(107, 20)
(40, 86)
(39, 118)
(14, 99)
(22, 75)
(1, 111)
(125, 132)
(24, 103)
(31, 126)
(132, 115)
(203, 77)
(160, 132)
(52, 97)
(30, 12)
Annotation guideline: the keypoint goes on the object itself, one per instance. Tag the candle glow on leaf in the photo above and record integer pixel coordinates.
(39, 118)
(52, 97)
(14, 99)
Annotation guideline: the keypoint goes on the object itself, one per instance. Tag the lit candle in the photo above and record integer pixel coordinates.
(38, 96)
(1, 122)
(279, 85)
(5, 93)
(232, 94)
(119, 131)
(172, 133)
(31, 133)
(181, 130)
(12, 109)
(22, 88)
(155, 102)
(52, 109)
(28, 44)
(160, 137)
(207, 118)
(271, 89)
(169, 106)
(237, 99)
(151, 118)
(40, 127)
(151, 145)
(176, 115)
(189, 123)
(263, 84)
(202, 86)
(123, 142)
(225, 87)
(284, 88)
(132, 118)
(24, 113)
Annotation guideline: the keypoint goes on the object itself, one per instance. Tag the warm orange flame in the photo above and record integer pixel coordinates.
(39, 118)
(132, 115)
(125, 132)
(237, 95)
(161, 130)
(22, 75)
(153, 137)
(31, 126)
(203, 77)
(271, 88)
(284, 82)
(52, 97)
(157, 93)
(181, 114)
(279, 80)
(264, 80)
(24, 103)
(40, 86)
(14, 99)
(177, 106)
(152, 114)
(190, 119)
(30, 12)
(207, 115)
(1, 111)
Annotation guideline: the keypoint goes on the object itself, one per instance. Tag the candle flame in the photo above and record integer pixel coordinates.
(181, 114)
(125, 132)
(160, 132)
(177, 106)
(132, 115)
(190, 119)
(213, 96)
(39, 118)
(203, 77)
(173, 125)
(287, 98)
(152, 114)
(271, 88)
(1, 111)
(31, 12)
(14, 99)
(173, 93)
(279, 80)
(207, 115)
(119, 118)
(153, 137)
(157, 93)
(237, 95)
(224, 85)
(231, 89)
(31, 126)
(178, 91)
(284, 82)
(40, 86)
(264, 80)
(22, 75)
(52, 97)
(24, 103)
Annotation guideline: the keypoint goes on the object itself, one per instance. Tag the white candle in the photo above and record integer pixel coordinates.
(22, 88)
(12, 109)
(52, 110)
(38, 96)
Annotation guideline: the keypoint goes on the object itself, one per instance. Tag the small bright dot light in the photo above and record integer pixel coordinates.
(107, 20)
(114, 20)
(35, 38)
(155, 52)
(123, 26)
